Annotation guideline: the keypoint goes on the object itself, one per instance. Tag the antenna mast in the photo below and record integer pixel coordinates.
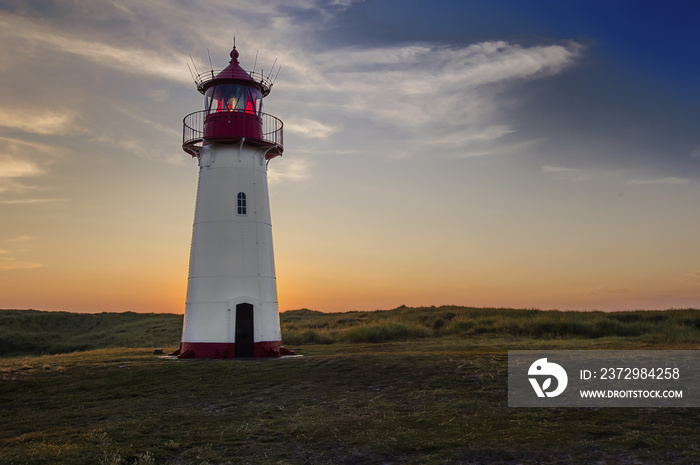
(193, 64)
(194, 78)
(275, 79)
(273, 67)
(210, 63)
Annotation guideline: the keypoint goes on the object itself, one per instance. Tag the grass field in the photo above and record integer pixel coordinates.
(25, 332)
(33, 332)
(394, 387)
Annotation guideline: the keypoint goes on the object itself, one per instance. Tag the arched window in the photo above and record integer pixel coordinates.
(241, 204)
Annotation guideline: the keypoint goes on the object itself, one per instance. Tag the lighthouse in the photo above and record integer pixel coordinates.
(231, 309)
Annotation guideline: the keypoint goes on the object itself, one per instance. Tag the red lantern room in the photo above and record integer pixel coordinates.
(233, 111)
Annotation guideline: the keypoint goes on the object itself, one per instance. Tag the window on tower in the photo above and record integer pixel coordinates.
(233, 97)
(241, 204)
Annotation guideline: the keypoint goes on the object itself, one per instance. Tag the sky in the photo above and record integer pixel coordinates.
(541, 154)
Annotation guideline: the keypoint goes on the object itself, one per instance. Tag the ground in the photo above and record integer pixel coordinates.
(435, 400)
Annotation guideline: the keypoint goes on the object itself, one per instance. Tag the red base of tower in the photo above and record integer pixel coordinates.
(222, 350)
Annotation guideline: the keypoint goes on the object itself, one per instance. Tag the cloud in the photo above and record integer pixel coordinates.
(588, 174)
(409, 86)
(484, 147)
(147, 138)
(13, 168)
(490, 62)
(694, 277)
(309, 128)
(407, 95)
(12, 185)
(167, 65)
(145, 122)
(10, 264)
(30, 201)
(36, 121)
(13, 171)
(668, 180)
(565, 173)
(14, 145)
(549, 169)
(20, 175)
(577, 174)
(19, 239)
(91, 30)
(158, 95)
(608, 290)
(401, 93)
(451, 93)
(293, 170)
(485, 134)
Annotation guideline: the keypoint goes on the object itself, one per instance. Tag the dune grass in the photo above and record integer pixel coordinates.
(35, 332)
(404, 323)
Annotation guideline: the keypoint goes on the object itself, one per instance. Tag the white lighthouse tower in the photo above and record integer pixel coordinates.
(231, 308)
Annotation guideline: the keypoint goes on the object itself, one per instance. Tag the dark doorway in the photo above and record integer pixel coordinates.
(244, 331)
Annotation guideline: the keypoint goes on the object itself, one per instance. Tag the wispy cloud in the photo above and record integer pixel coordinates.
(694, 277)
(14, 144)
(15, 186)
(671, 180)
(21, 239)
(149, 123)
(452, 93)
(550, 169)
(309, 128)
(14, 171)
(13, 246)
(408, 92)
(417, 84)
(36, 120)
(607, 291)
(14, 168)
(565, 173)
(123, 59)
(30, 201)
(295, 170)
(11, 263)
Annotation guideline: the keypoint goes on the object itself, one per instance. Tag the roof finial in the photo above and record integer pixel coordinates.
(234, 55)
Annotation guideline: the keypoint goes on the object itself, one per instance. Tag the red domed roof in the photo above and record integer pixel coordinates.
(234, 69)
(233, 72)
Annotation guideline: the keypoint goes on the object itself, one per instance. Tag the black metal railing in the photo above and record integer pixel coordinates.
(202, 79)
(193, 130)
